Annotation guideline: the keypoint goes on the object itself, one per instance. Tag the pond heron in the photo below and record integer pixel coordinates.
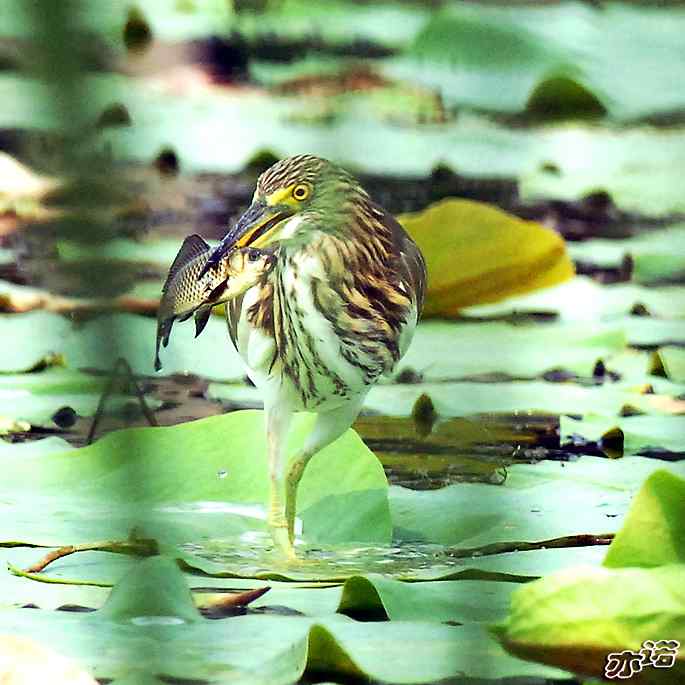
(336, 312)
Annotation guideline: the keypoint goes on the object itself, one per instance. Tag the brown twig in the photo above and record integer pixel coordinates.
(52, 580)
(584, 540)
(140, 547)
(231, 603)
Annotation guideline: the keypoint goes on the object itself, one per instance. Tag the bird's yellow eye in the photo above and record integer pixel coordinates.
(301, 192)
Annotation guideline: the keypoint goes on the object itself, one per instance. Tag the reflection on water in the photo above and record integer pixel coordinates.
(255, 511)
(458, 450)
(253, 554)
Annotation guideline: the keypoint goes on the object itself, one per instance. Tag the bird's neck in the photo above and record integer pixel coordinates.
(354, 223)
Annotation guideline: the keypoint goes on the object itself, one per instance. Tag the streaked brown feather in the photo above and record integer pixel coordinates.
(373, 284)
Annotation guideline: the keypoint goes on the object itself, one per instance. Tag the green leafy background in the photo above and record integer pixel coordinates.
(538, 96)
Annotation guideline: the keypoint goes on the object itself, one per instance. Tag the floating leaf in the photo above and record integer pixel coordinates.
(565, 498)
(634, 167)
(454, 350)
(154, 588)
(36, 397)
(635, 433)
(377, 597)
(338, 22)
(448, 351)
(35, 335)
(654, 528)
(60, 410)
(34, 448)
(457, 600)
(476, 253)
(22, 298)
(183, 464)
(436, 650)
(159, 252)
(650, 332)
(583, 299)
(465, 398)
(29, 341)
(574, 619)
(460, 36)
(275, 649)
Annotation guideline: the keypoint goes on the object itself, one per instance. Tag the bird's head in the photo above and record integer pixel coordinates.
(288, 194)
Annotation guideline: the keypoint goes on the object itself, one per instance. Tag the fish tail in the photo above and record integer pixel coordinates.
(163, 332)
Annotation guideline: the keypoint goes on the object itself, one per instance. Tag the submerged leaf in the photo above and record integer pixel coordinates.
(476, 254)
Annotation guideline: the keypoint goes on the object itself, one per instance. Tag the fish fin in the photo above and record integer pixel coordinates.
(216, 293)
(167, 325)
(163, 332)
(201, 318)
(193, 246)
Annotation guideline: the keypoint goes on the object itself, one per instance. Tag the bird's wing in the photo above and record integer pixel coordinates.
(411, 265)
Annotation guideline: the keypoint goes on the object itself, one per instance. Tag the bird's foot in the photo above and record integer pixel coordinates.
(284, 542)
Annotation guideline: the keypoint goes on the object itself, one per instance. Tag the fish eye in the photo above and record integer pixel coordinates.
(253, 255)
(301, 191)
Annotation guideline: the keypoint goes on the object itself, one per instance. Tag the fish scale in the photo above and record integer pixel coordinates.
(186, 291)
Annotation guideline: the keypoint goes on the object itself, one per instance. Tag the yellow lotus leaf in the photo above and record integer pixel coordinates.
(477, 254)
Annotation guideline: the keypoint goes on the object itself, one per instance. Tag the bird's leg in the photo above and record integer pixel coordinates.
(277, 426)
(329, 426)
(293, 478)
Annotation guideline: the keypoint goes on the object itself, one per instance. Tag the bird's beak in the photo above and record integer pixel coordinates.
(255, 227)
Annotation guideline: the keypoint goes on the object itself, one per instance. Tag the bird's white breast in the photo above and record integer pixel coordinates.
(320, 364)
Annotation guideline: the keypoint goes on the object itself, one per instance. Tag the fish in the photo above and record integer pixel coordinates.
(186, 291)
